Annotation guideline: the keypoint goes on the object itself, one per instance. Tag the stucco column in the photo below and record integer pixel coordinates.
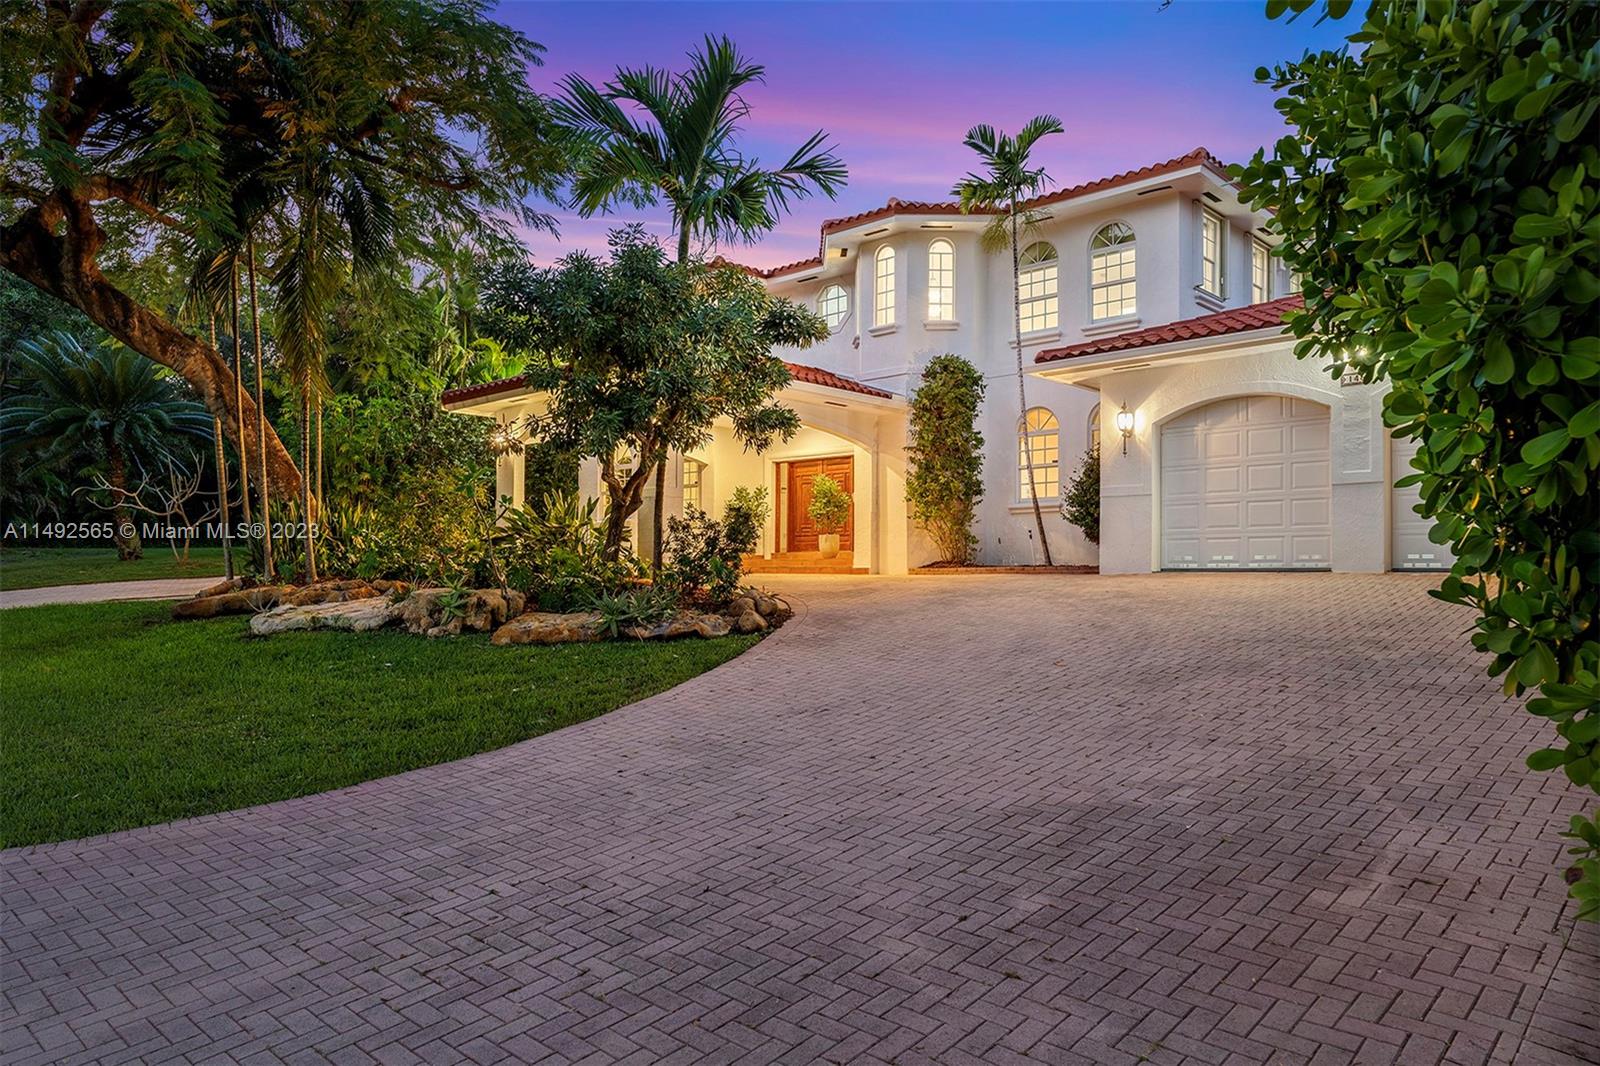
(509, 478)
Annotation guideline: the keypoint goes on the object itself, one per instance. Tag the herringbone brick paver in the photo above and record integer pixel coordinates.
(1172, 819)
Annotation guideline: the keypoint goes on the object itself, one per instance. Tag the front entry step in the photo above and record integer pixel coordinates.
(802, 563)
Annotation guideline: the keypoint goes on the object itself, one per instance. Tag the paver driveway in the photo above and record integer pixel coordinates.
(1011, 819)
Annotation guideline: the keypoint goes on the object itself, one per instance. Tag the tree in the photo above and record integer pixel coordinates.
(107, 398)
(686, 154)
(1439, 197)
(639, 356)
(945, 452)
(141, 120)
(1007, 181)
(1080, 504)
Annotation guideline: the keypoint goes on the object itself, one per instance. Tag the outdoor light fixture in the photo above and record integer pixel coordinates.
(1125, 426)
(503, 439)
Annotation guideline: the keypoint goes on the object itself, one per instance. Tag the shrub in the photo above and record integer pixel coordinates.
(945, 455)
(1081, 503)
(702, 556)
(627, 608)
(830, 505)
(556, 553)
(745, 516)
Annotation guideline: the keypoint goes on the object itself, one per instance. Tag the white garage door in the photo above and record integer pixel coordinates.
(1409, 546)
(1245, 485)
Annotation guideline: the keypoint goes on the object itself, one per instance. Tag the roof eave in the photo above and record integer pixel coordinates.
(1081, 369)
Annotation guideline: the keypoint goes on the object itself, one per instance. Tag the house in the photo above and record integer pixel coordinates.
(1151, 295)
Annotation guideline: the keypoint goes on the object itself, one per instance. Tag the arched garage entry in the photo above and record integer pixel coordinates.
(1246, 484)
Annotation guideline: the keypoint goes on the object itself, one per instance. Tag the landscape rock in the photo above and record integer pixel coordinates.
(488, 609)
(767, 606)
(358, 616)
(739, 605)
(244, 601)
(331, 592)
(750, 622)
(682, 624)
(451, 628)
(549, 627)
(230, 584)
(423, 609)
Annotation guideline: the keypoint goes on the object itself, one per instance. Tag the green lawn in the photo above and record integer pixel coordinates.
(32, 568)
(113, 716)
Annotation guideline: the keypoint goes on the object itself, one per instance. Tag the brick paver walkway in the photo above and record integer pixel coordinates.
(1257, 818)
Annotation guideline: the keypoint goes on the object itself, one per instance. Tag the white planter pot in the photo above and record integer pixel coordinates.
(828, 545)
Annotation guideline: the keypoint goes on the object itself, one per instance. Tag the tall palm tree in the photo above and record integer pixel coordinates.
(1007, 182)
(109, 399)
(681, 149)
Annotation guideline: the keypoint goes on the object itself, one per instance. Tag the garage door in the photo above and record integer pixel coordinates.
(1245, 485)
(1409, 546)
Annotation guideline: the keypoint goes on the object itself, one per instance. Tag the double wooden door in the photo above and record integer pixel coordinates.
(802, 473)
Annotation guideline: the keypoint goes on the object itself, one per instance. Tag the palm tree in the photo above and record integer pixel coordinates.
(684, 153)
(109, 399)
(1008, 181)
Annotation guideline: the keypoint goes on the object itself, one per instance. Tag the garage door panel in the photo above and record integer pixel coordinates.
(1254, 471)
(1409, 546)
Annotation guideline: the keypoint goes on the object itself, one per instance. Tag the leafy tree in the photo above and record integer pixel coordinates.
(945, 481)
(107, 398)
(1007, 181)
(143, 121)
(642, 355)
(1441, 199)
(686, 155)
(1080, 504)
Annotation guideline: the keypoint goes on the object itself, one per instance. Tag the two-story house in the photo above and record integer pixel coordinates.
(1151, 311)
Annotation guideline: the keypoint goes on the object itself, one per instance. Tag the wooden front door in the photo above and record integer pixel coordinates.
(802, 531)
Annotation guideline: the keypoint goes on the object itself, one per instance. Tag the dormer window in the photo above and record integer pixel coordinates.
(941, 281)
(883, 287)
(1211, 252)
(1037, 285)
(1113, 290)
(834, 305)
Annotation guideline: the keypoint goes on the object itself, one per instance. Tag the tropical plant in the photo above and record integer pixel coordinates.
(556, 552)
(118, 404)
(638, 607)
(123, 125)
(745, 515)
(1080, 503)
(1008, 181)
(686, 154)
(830, 505)
(639, 356)
(704, 556)
(945, 455)
(1440, 199)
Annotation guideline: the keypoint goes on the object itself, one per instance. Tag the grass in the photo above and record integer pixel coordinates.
(199, 716)
(32, 568)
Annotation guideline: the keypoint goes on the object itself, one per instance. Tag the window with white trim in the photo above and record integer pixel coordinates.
(1037, 285)
(1211, 252)
(1039, 441)
(1260, 273)
(833, 304)
(1113, 291)
(694, 479)
(941, 281)
(1094, 428)
(883, 288)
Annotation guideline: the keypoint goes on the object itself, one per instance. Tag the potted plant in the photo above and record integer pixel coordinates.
(829, 510)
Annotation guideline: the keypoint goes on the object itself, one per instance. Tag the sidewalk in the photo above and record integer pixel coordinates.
(169, 588)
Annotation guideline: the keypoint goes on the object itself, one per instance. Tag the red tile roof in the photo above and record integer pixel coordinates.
(1237, 320)
(1198, 157)
(812, 375)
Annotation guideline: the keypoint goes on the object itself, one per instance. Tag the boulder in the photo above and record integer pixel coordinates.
(244, 601)
(750, 622)
(391, 588)
(739, 605)
(766, 606)
(331, 592)
(422, 610)
(682, 624)
(359, 615)
(230, 584)
(550, 627)
(488, 609)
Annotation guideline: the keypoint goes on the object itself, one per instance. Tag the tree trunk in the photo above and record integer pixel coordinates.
(124, 532)
(238, 390)
(322, 491)
(261, 405)
(64, 266)
(660, 510)
(222, 479)
(306, 518)
(1025, 445)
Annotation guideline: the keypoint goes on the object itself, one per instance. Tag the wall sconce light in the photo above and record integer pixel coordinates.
(1125, 426)
(503, 439)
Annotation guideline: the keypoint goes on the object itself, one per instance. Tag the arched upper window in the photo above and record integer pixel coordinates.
(1039, 442)
(941, 281)
(1037, 285)
(883, 288)
(833, 304)
(1094, 428)
(1112, 289)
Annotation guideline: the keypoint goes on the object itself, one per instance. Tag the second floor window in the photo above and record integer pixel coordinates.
(941, 281)
(883, 288)
(834, 305)
(1036, 287)
(1211, 252)
(1260, 273)
(1113, 291)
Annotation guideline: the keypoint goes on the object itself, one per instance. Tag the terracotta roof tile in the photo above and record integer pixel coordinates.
(1222, 323)
(812, 375)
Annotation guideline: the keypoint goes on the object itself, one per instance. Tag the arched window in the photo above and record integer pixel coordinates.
(1112, 290)
(694, 483)
(1094, 428)
(941, 281)
(1036, 287)
(1039, 440)
(883, 288)
(834, 305)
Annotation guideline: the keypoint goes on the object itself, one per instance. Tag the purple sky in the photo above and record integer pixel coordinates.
(897, 85)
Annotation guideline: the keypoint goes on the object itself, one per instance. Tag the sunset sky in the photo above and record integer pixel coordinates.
(897, 85)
